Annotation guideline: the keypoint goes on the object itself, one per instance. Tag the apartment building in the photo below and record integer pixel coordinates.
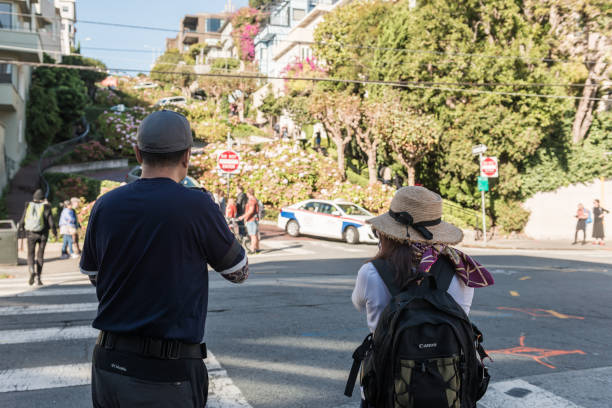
(27, 30)
(197, 29)
(67, 10)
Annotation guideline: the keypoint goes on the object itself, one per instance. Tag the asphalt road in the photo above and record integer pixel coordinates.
(284, 338)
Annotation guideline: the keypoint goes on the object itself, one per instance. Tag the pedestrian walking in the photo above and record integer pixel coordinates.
(582, 215)
(251, 217)
(414, 259)
(241, 202)
(318, 140)
(302, 139)
(598, 226)
(147, 247)
(76, 203)
(68, 227)
(219, 197)
(37, 221)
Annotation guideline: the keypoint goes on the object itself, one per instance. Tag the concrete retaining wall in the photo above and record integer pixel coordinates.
(89, 166)
(552, 213)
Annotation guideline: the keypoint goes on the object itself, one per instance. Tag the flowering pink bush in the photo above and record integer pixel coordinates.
(118, 129)
(301, 68)
(284, 174)
(246, 22)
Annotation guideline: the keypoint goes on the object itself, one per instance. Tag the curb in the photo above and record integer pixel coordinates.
(533, 248)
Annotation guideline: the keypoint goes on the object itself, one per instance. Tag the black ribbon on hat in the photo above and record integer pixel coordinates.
(406, 219)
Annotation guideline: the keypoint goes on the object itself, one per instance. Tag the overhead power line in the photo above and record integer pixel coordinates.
(244, 75)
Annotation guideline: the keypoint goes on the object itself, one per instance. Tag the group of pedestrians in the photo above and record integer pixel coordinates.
(243, 215)
(585, 217)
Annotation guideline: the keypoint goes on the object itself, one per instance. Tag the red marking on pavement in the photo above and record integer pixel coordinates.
(541, 313)
(537, 354)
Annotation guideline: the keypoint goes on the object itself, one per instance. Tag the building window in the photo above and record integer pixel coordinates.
(298, 14)
(6, 71)
(213, 25)
(5, 15)
(65, 9)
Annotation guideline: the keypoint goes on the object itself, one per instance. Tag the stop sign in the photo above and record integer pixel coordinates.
(488, 167)
(228, 161)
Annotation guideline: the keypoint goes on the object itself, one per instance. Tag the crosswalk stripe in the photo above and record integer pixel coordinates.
(46, 334)
(41, 378)
(58, 292)
(43, 309)
(521, 394)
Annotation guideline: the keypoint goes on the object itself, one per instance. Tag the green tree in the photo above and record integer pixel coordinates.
(454, 42)
(582, 31)
(89, 77)
(271, 107)
(171, 68)
(43, 119)
(340, 115)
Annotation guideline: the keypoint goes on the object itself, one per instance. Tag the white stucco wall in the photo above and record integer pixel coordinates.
(552, 213)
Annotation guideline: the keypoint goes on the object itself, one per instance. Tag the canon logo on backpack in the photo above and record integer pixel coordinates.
(428, 345)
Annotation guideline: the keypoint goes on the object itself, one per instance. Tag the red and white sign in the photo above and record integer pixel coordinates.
(488, 167)
(228, 161)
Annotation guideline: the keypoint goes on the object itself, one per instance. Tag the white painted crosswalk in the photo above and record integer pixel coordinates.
(71, 288)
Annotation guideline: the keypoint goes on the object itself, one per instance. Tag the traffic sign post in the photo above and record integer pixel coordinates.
(228, 162)
(488, 168)
(483, 183)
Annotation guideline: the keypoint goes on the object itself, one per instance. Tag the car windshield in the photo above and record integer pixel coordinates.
(352, 209)
(190, 182)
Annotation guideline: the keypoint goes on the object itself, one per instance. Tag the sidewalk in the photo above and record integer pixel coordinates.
(565, 245)
(53, 263)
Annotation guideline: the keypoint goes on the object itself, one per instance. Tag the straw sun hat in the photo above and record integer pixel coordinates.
(415, 216)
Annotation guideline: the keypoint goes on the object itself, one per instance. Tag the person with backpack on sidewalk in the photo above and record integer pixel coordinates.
(422, 352)
(68, 227)
(37, 221)
(583, 216)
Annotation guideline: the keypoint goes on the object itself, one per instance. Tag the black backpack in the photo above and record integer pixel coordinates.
(424, 353)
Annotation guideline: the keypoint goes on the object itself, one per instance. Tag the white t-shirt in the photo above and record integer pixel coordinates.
(372, 296)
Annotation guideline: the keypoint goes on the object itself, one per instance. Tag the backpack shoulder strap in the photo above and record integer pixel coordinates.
(386, 274)
(443, 271)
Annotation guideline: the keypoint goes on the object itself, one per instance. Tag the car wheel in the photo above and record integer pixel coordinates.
(351, 235)
(293, 228)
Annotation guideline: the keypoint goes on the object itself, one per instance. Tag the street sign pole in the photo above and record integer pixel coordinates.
(229, 147)
(484, 220)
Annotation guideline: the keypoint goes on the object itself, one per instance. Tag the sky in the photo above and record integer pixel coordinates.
(146, 44)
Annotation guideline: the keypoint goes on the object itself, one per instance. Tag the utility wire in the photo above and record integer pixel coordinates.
(243, 75)
(474, 84)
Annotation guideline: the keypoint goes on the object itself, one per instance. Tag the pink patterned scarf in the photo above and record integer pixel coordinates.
(471, 272)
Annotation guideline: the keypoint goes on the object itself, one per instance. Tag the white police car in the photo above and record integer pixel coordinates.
(330, 219)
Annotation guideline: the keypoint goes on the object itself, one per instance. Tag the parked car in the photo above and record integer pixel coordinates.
(136, 172)
(336, 219)
(118, 108)
(145, 85)
(172, 100)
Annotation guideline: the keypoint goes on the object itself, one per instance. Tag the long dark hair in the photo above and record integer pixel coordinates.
(401, 257)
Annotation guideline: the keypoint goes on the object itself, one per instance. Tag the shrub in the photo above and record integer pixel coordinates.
(511, 217)
(90, 151)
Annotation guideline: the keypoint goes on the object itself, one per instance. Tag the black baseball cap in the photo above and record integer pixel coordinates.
(164, 131)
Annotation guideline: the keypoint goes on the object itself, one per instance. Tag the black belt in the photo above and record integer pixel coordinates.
(151, 347)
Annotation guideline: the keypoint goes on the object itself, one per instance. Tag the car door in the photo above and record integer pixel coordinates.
(306, 217)
(329, 221)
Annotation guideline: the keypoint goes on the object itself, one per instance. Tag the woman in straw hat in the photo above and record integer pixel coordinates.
(412, 237)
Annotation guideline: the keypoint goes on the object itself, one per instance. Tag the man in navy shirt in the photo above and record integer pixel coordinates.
(146, 250)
